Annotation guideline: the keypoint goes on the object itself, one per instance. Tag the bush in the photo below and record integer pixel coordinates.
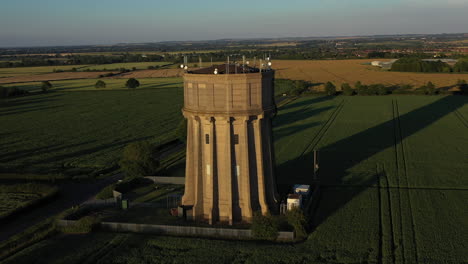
(137, 160)
(299, 87)
(84, 225)
(429, 89)
(362, 89)
(330, 88)
(298, 221)
(100, 84)
(381, 89)
(46, 86)
(132, 83)
(463, 86)
(264, 227)
(347, 90)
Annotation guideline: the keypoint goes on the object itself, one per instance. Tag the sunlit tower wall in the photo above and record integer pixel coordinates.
(230, 158)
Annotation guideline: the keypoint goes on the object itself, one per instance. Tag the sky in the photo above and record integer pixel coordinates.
(83, 22)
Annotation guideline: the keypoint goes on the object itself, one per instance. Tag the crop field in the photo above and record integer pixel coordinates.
(394, 188)
(130, 65)
(50, 77)
(111, 84)
(351, 71)
(26, 71)
(18, 196)
(161, 73)
(83, 130)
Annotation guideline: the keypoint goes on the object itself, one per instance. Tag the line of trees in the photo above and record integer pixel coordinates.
(418, 65)
(461, 66)
(381, 89)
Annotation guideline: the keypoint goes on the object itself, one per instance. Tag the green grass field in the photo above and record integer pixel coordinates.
(81, 131)
(393, 170)
(19, 196)
(20, 71)
(111, 84)
(130, 65)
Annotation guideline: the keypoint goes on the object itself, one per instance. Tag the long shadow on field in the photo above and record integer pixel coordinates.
(314, 100)
(27, 100)
(15, 155)
(165, 85)
(338, 158)
(87, 151)
(34, 108)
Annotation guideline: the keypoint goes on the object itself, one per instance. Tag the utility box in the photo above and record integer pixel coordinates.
(125, 204)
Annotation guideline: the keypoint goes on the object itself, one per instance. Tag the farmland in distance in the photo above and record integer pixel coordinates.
(351, 71)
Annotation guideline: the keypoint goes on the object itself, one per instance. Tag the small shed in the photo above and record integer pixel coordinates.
(294, 201)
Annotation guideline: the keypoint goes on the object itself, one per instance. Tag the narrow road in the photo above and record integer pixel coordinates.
(70, 194)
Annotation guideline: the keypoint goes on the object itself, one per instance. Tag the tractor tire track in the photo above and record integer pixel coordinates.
(389, 201)
(381, 236)
(395, 133)
(323, 130)
(405, 172)
(461, 118)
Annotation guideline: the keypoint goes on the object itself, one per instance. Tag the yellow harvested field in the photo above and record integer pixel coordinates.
(278, 44)
(351, 71)
(51, 77)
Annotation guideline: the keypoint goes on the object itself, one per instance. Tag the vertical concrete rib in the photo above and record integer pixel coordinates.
(260, 172)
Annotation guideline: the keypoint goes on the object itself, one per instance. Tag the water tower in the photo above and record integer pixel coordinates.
(230, 158)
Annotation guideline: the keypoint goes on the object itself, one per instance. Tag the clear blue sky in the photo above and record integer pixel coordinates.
(67, 22)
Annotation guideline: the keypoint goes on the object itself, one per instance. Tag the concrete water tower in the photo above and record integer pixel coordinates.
(230, 157)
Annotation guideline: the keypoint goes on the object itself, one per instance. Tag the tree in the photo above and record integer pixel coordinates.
(463, 86)
(357, 86)
(461, 66)
(137, 160)
(298, 221)
(100, 84)
(299, 87)
(264, 226)
(132, 83)
(347, 90)
(330, 88)
(46, 86)
(381, 89)
(430, 89)
(362, 89)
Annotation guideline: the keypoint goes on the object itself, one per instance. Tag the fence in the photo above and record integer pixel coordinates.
(182, 230)
(167, 180)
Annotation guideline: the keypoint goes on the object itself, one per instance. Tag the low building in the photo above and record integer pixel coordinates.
(294, 201)
(302, 189)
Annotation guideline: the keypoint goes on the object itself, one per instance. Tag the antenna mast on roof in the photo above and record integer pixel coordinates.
(227, 66)
(243, 63)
